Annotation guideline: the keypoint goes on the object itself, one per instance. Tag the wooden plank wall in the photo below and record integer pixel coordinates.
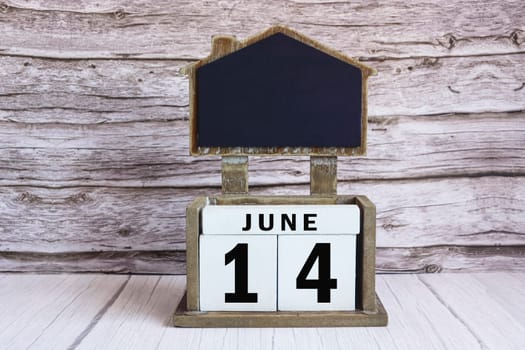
(94, 165)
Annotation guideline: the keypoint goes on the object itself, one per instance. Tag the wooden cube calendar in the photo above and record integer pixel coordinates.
(279, 261)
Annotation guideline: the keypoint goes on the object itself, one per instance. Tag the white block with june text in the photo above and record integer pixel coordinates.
(281, 219)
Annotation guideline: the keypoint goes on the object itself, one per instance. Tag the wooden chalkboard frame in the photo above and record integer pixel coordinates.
(224, 45)
(323, 190)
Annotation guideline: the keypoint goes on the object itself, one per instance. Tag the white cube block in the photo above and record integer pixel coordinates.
(280, 219)
(238, 272)
(316, 272)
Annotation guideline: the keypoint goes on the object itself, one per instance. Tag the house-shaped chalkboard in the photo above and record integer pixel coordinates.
(277, 93)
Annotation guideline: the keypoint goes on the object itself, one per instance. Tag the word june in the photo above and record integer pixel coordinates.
(290, 221)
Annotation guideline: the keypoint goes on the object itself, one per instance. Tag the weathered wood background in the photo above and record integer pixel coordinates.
(94, 165)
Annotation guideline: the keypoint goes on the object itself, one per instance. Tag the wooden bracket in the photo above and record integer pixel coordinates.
(323, 175)
(234, 174)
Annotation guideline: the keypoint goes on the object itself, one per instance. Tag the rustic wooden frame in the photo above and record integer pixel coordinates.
(224, 45)
(323, 189)
(369, 310)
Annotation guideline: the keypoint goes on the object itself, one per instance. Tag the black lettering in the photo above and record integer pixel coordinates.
(285, 219)
(309, 220)
(239, 254)
(248, 222)
(324, 283)
(261, 222)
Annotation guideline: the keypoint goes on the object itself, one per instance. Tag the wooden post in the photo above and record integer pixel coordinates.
(323, 175)
(367, 255)
(192, 253)
(234, 174)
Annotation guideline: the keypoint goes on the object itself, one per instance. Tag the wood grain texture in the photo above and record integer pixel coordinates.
(182, 29)
(323, 175)
(279, 319)
(487, 226)
(193, 224)
(424, 318)
(137, 319)
(94, 166)
(486, 210)
(450, 258)
(445, 311)
(91, 91)
(50, 311)
(508, 288)
(92, 219)
(366, 256)
(153, 154)
(502, 329)
(171, 262)
(434, 85)
(234, 174)
(104, 91)
(431, 259)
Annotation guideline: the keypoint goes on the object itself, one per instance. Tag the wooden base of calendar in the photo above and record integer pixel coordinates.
(249, 319)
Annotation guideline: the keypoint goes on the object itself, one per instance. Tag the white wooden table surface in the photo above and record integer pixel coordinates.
(79, 311)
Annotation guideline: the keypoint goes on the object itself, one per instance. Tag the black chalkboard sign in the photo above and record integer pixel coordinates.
(279, 92)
